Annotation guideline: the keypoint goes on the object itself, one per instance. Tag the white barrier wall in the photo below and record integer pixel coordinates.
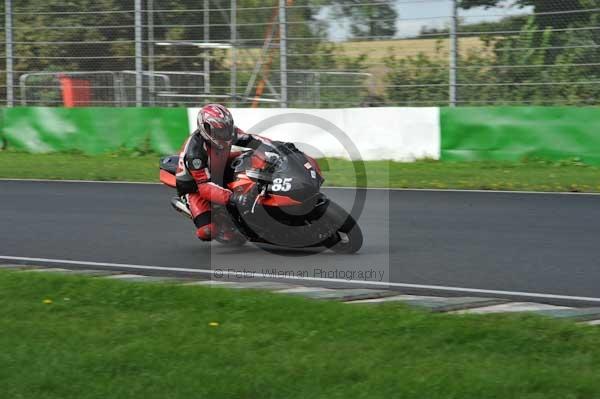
(400, 134)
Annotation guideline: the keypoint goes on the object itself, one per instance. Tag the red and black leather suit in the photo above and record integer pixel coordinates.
(200, 176)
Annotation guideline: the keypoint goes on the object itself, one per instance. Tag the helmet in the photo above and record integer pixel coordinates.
(215, 124)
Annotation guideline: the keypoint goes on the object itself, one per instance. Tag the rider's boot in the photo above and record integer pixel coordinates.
(180, 205)
(227, 232)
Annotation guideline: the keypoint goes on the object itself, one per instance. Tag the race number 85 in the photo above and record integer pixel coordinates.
(280, 184)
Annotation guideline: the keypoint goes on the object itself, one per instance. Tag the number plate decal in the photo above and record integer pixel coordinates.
(280, 184)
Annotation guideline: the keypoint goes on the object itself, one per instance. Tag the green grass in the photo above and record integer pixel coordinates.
(535, 175)
(118, 167)
(111, 339)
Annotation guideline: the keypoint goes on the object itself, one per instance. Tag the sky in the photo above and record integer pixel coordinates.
(414, 14)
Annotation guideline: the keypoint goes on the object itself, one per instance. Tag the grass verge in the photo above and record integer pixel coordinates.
(111, 339)
(518, 176)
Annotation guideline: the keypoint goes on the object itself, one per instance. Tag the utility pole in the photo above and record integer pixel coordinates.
(206, 19)
(8, 34)
(283, 53)
(151, 85)
(453, 53)
(233, 72)
(138, 53)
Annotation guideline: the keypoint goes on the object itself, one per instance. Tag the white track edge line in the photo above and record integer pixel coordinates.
(437, 190)
(318, 279)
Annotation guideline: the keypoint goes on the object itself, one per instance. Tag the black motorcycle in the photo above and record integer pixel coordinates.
(288, 210)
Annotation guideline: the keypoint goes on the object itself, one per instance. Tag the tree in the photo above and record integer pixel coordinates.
(540, 7)
(520, 68)
(368, 20)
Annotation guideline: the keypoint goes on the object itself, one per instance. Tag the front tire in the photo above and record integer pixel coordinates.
(348, 238)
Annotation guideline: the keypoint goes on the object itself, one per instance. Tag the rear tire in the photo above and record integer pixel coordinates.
(348, 238)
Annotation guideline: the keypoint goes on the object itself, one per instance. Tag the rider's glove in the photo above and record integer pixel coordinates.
(243, 201)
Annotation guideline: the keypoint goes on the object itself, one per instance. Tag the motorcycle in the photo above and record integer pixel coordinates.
(289, 209)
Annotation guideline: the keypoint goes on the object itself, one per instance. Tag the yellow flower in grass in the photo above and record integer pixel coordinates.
(213, 324)
(47, 301)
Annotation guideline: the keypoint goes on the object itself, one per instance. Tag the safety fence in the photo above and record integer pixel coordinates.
(299, 53)
(397, 133)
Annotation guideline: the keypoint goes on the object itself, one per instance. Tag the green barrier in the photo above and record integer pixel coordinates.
(517, 133)
(94, 130)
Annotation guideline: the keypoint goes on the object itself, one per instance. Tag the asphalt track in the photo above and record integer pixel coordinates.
(531, 243)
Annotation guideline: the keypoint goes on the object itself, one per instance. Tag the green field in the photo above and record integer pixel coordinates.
(532, 175)
(111, 339)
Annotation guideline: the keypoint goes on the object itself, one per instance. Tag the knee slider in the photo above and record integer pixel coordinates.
(204, 233)
(204, 219)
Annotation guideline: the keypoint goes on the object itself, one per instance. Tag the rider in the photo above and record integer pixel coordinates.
(202, 163)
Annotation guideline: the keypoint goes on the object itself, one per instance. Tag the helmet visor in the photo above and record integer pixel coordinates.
(224, 133)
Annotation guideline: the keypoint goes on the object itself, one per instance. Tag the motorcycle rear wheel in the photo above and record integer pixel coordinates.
(348, 238)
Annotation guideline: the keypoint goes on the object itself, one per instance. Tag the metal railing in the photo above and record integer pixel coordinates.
(298, 53)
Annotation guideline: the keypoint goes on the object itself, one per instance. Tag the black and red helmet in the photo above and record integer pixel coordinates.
(215, 124)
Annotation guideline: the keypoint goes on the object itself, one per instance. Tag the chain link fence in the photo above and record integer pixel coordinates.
(300, 53)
